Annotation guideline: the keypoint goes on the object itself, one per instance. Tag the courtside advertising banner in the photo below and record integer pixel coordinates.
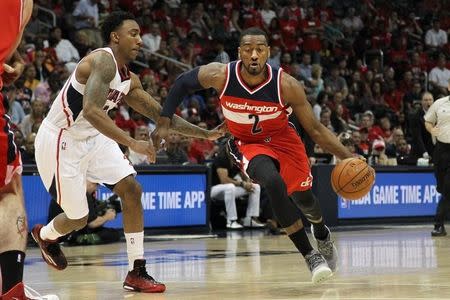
(169, 200)
(394, 195)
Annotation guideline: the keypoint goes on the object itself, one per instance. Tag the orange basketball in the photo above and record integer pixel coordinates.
(352, 178)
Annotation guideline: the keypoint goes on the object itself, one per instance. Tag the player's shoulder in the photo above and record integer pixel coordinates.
(98, 62)
(287, 81)
(214, 68)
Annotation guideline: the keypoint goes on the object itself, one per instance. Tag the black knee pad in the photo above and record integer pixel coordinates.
(308, 204)
(264, 170)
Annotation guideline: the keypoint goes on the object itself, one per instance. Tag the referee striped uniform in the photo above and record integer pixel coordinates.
(439, 115)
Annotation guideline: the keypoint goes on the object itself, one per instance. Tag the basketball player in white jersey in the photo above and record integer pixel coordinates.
(77, 141)
(14, 16)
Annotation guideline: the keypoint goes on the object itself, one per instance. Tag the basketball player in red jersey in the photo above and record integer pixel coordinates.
(256, 100)
(14, 14)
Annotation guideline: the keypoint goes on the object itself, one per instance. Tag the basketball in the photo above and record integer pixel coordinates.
(352, 178)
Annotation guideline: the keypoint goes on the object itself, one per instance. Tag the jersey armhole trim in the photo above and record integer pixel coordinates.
(280, 99)
(226, 81)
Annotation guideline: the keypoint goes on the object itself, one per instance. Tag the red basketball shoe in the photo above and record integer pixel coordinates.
(50, 250)
(138, 280)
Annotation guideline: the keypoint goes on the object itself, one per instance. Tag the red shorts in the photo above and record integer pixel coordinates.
(287, 149)
(10, 161)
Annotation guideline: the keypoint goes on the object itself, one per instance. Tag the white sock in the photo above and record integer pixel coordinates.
(48, 232)
(135, 247)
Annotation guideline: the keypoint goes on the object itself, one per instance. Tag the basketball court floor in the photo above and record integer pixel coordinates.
(398, 262)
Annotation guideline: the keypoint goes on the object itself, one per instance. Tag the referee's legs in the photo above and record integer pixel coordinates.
(442, 173)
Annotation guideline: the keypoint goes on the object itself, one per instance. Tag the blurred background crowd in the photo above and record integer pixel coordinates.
(370, 68)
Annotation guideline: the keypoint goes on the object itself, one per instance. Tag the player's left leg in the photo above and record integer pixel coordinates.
(309, 205)
(130, 191)
(117, 173)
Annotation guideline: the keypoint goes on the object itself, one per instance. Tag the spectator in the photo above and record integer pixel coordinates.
(439, 76)
(422, 143)
(222, 55)
(367, 122)
(15, 110)
(86, 20)
(201, 150)
(435, 38)
(404, 156)
(352, 21)
(65, 50)
(30, 77)
(275, 57)
(211, 115)
(36, 115)
(27, 154)
(23, 94)
(229, 183)
(306, 67)
(378, 156)
(335, 83)
(152, 40)
(141, 133)
(267, 13)
(174, 153)
(35, 28)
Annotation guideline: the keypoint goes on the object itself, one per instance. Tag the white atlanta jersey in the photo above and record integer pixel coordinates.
(67, 109)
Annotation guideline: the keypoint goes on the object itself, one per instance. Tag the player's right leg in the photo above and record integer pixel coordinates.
(309, 205)
(262, 168)
(60, 165)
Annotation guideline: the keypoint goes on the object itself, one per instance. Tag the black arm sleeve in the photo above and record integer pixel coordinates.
(185, 83)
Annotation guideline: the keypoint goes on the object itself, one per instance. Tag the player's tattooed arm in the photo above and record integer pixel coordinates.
(100, 69)
(145, 104)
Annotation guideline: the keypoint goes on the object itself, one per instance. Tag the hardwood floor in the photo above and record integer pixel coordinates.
(389, 263)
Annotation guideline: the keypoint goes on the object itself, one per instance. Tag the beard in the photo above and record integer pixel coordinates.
(253, 70)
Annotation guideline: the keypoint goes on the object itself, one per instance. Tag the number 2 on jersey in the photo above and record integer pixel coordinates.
(255, 128)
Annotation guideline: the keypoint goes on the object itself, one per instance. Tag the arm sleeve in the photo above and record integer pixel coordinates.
(185, 83)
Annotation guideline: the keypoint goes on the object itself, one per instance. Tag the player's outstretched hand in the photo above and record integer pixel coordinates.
(161, 132)
(12, 72)
(146, 148)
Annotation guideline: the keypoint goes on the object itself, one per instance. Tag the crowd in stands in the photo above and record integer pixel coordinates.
(364, 64)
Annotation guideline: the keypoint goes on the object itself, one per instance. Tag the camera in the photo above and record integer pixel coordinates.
(113, 202)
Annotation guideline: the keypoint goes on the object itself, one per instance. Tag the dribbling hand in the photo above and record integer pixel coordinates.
(146, 148)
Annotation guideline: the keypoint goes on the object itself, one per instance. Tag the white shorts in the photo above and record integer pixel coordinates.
(67, 162)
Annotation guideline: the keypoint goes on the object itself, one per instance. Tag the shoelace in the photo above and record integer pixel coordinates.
(34, 295)
(314, 260)
(142, 271)
(326, 247)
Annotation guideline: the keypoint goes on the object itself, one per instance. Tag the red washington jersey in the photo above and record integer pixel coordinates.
(258, 120)
(253, 114)
(11, 21)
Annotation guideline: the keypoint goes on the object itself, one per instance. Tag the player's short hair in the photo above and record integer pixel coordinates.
(114, 21)
(253, 31)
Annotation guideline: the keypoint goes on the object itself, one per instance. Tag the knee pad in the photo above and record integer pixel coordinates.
(308, 204)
